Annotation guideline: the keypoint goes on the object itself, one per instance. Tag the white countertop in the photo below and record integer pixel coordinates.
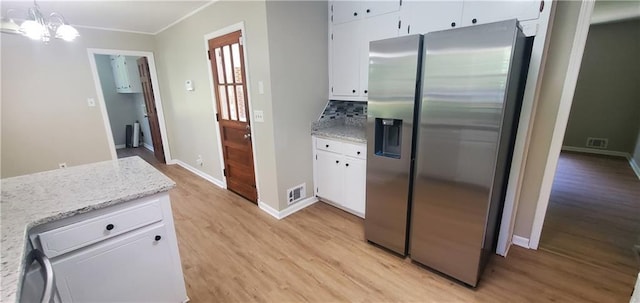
(31, 200)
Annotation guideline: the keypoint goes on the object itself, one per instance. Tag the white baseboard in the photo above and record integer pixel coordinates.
(520, 241)
(287, 211)
(147, 146)
(121, 146)
(634, 166)
(201, 174)
(595, 151)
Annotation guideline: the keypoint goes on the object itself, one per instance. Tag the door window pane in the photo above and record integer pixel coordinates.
(227, 63)
(232, 103)
(222, 99)
(237, 68)
(242, 113)
(219, 66)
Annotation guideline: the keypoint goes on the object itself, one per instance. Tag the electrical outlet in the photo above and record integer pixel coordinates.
(258, 116)
(91, 102)
(199, 160)
(62, 165)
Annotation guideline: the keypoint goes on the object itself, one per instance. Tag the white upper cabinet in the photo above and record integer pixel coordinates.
(421, 17)
(377, 8)
(349, 43)
(375, 28)
(480, 12)
(345, 59)
(346, 11)
(353, 24)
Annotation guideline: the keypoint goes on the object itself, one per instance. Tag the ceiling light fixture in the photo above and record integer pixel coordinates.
(36, 27)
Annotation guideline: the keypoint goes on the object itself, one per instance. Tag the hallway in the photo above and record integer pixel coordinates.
(594, 212)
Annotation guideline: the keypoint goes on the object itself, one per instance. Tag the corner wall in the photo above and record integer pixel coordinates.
(45, 117)
(298, 48)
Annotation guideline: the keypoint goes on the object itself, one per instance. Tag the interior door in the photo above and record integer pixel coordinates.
(229, 79)
(150, 103)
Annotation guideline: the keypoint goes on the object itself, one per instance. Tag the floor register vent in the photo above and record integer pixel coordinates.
(597, 142)
(297, 193)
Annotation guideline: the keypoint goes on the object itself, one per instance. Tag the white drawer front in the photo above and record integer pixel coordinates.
(329, 145)
(355, 150)
(71, 237)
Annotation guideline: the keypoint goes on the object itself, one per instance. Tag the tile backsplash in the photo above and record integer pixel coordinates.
(342, 109)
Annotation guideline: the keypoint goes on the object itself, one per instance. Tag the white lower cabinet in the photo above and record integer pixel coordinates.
(340, 170)
(132, 258)
(136, 264)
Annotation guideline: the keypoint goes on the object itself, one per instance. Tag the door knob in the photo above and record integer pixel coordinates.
(247, 136)
(248, 127)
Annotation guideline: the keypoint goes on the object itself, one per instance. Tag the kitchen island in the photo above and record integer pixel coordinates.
(44, 198)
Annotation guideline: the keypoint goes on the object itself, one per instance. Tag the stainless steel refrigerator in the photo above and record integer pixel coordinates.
(440, 129)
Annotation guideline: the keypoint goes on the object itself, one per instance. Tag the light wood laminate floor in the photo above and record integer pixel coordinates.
(234, 252)
(594, 212)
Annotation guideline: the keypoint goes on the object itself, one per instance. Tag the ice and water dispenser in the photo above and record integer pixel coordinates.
(388, 137)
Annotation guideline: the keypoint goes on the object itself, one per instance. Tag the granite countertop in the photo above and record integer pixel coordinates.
(349, 129)
(31, 200)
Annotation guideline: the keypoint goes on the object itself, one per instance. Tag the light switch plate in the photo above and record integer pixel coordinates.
(258, 116)
(91, 102)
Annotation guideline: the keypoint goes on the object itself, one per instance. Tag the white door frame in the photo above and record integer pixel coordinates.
(223, 31)
(562, 118)
(156, 94)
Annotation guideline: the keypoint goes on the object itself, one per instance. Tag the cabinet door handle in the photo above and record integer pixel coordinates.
(453, 24)
(337, 161)
(327, 146)
(347, 164)
(354, 91)
(355, 13)
(158, 237)
(110, 226)
(366, 91)
(368, 10)
(474, 21)
(38, 256)
(358, 153)
(408, 28)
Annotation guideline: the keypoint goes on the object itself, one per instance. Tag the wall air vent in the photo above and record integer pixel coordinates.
(600, 143)
(297, 193)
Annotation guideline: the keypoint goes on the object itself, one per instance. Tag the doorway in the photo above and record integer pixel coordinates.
(593, 210)
(229, 79)
(126, 85)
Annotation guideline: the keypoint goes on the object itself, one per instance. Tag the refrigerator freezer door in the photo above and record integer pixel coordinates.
(465, 102)
(393, 75)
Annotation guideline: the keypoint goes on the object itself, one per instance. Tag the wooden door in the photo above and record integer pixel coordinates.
(150, 103)
(227, 63)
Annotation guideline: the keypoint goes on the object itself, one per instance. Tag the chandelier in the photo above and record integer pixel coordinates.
(38, 27)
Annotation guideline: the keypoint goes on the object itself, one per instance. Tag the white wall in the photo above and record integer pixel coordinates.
(120, 107)
(299, 85)
(190, 115)
(45, 117)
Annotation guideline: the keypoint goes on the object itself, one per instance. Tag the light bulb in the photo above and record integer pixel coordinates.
(32, 29)
(66, 32)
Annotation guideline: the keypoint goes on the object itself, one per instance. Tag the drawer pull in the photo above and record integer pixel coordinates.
(347, 164)
(337, 161)
(110, 226)
(358, 153)
(327, 146)
(158, 238)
